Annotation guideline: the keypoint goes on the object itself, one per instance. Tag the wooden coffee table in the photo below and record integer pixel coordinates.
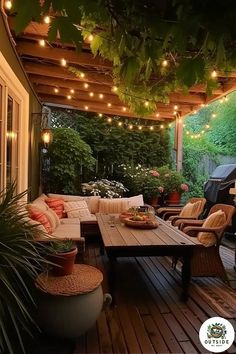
(122, 241)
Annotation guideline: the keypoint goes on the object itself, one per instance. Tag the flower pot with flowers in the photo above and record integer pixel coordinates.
(173, 184)
(104, 188)
(151, 187)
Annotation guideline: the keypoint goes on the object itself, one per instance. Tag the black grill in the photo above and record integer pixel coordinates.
(216, 189)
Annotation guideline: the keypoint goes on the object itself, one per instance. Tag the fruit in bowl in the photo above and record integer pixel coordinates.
(138, 217)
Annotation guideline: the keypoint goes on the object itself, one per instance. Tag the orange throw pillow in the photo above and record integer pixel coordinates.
(57, 205)
(39, 216)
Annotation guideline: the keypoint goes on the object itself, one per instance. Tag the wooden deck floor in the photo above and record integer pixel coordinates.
(148, 316)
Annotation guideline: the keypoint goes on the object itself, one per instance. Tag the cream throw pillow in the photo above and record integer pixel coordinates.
(113, 206)
(214, 220)
(78, 209)
(187, 210)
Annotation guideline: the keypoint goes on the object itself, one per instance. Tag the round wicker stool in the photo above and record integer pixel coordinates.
(69, 305)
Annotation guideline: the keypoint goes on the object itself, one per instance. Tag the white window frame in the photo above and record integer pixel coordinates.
(12, 86)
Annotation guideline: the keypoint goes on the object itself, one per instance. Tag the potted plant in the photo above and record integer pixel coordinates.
(173, 184)
(63, 256)
(104, 188)
(21, 261)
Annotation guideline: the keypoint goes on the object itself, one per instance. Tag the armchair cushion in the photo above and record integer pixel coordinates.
(190, 210)
(212, 221)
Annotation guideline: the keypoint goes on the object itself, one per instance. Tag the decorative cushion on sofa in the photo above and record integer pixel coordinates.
(40, 216)
(57, 205)
(67, 231)
(116, 205)
(92, 201)
(136, 201)
(53, 218)
(78, 209)
(66, 197)
(214, 220)
(40, 202)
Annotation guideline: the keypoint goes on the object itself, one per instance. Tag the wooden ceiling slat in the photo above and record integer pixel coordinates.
(33, 49)
(98, 108)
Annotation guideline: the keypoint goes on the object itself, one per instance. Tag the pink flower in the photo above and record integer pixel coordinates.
(161, 189)
(155, 173)
(184, 187)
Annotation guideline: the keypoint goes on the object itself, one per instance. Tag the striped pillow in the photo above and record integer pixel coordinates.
(57, 205)
(40, 216)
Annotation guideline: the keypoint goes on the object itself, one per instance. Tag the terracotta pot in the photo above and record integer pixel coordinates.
(64, 261)
(154, 201)
(173, 198)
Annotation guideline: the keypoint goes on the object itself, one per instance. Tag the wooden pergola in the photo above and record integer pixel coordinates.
(95, 91)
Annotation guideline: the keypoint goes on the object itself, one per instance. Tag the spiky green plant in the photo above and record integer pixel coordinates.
(62, 246)
(20, 262)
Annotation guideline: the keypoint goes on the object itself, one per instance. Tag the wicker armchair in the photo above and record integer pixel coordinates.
(206, 261)
(168, 213)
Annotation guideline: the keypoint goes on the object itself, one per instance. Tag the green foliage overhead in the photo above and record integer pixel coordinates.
(67, 153)
(136, 36)
(113, 145)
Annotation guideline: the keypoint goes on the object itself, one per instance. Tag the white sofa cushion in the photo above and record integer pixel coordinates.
(77, 209)
(136, 201)
(116, 205)
(67, 231)
(66, 197)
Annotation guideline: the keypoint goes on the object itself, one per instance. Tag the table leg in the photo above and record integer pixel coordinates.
(186, 275)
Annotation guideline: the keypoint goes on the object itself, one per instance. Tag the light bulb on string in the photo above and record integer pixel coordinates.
(162, 126)
(214, 74)
(120, 124)
(176, 107)
(69, 97)
(101, 96)
(100, 115)
(82, 75)
(72, 91)
(8, 5)
(140, 127)
(109, 120)
(109, 105)
(90, 37)
(146, 103)
(42, 43)
(114, 88)
(56, 90)
(86, 85)
(169, 125)
(63, 62)
(124, 109)
(46, 19)
(207, 126)
(157, 115)
(213, 115)
(91, 94)
(86, 108)
(164, 63)
(130, 126)
(151, 127)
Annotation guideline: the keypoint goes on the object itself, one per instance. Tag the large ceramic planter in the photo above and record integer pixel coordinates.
(68, 306)
(70, 316)
(174, 198)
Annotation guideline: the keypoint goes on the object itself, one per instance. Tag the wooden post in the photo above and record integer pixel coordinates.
(179, 142)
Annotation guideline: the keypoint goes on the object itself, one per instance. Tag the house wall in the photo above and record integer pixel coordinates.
(9, 53)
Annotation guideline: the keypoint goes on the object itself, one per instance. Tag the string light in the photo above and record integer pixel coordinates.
(63, 62)
(86, 85)
(72, 91)
(202, 105)
(195, 112)
(124, 109)
(69, 97)
(42, 43)
(157, 115)
(120, 124)
(90, 38)
(162, 126)
(46, 19)
(140, 127)
(151, 127)
(56, 90)
(169, 125)
(130, 126)
(100, 115)
(176, 107)
(146, 103)
(114, 88)
(207, 126)
(86, 108)
(109, 120)
(164, 63)
(109, 104)
(8, 5)
(213, 115)
(101, 96)
(91, 94)
(187, 132)
(214, 74)
(82, 75)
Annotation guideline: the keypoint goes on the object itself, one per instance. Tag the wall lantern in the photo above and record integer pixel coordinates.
(46, 136)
